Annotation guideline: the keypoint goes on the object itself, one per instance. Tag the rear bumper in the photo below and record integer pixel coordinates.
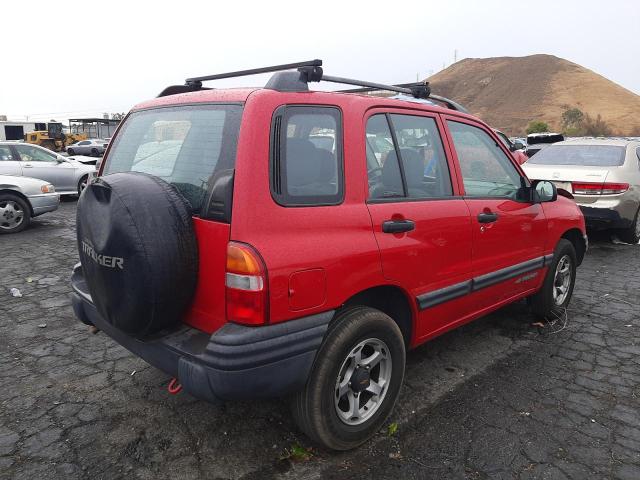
(602, 218)
(46, 202)
(235, 362)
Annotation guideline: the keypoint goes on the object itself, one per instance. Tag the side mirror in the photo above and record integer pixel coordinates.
(544, 191)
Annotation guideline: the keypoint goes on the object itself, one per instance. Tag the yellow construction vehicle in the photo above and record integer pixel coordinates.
(53, 138)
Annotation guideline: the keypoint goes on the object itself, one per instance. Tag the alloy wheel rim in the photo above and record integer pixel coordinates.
(11, 215)
(363, 381)
(562, 280)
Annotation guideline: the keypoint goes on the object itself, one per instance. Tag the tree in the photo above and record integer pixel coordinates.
(117, 116)
(572, 118)
(537, 126)
(595, 127)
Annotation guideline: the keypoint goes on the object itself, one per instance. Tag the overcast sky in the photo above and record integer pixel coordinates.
(85, 58)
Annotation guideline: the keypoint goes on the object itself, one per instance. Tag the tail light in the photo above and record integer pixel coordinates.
(246, 285)
(599, 188)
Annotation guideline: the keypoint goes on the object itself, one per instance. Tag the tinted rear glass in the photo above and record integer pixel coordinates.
(586, 155)
(183, 145)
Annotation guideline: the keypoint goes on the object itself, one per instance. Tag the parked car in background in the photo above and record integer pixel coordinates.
(538, 141)
(67, 175)
(602, 175)
(517, 153)
(93, 147)
(22, 198)
(299, 241)
(519, 142)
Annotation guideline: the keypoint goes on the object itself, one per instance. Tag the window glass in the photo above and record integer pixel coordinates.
(383, 170)
(585, 155)
(185, 146)
(307, 169)
(486, 169)
(5, 153)
(423, 160)
(84, 143)
(32, 154)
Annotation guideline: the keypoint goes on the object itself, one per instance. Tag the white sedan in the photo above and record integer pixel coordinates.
(22, 198)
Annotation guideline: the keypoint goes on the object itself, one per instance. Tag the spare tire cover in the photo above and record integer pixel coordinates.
(138, 251)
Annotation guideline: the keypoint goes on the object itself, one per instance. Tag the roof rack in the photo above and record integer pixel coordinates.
(295, 77)
(448, 102)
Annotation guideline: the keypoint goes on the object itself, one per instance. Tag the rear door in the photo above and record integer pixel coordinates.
(421, 224)
(8, 163)
(508, 230)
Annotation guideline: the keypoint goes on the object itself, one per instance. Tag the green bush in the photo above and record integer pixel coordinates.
(537, 126)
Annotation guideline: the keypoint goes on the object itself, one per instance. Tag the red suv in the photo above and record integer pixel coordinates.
(279, 241)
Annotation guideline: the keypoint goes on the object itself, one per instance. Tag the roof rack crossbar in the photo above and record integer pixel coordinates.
(448, 102)
(255, 71)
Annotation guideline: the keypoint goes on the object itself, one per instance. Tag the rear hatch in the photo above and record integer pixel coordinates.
(191, 147)
(583, 170)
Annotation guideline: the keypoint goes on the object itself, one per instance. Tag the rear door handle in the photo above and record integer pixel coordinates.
(27, 165)
(487, 217)
(398, 226)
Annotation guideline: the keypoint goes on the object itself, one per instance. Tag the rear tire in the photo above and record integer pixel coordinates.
(631, 234)
(70, 151)
(363, 353)
(94, 152)
(554, 296)
(15, 213)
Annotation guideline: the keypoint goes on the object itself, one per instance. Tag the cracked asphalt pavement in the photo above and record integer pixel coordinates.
(498, 398)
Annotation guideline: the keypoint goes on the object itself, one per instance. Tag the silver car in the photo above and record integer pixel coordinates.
(22, 198)
(67, 175)
(93, 147)
(602, 174)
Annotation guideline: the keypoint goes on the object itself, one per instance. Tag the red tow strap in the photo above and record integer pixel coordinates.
(174, 386)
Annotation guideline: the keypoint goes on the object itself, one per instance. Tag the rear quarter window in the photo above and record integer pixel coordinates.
(184, 145)
(306, 156)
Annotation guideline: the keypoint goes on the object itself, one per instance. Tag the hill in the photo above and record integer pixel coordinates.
(509, 92)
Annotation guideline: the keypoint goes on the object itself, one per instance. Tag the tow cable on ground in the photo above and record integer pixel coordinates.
(174, 386)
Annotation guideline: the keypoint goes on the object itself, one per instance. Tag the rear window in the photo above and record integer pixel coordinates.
(185, 146)
(585, 155)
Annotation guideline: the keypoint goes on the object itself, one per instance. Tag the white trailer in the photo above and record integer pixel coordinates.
(15, 130)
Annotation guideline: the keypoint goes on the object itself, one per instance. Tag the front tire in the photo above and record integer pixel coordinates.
(82, 184)
(15, 214)
(70, 151)
(554, 296)
(354, 382)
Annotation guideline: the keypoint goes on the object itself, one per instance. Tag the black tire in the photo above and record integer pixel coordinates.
(543, 303)
(8, 216)
(631, 234)
(141, 282)
(315, 409)
(70, 151)
(82, 184)
(94, 152)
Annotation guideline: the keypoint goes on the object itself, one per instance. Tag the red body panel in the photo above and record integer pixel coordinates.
(317, 257)
(207, 311)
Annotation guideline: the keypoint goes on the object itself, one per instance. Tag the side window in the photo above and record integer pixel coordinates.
(306, 159)
(5, 153)
(486, 170)
(84, 143)
(420, 172)
(32, 154)
(383, 169)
